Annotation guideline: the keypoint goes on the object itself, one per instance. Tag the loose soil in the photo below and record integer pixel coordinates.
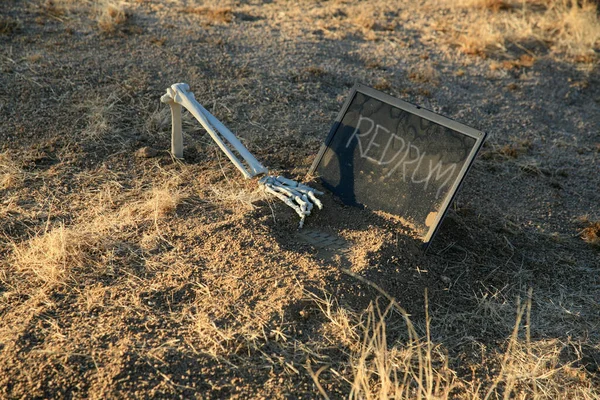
(126, 273)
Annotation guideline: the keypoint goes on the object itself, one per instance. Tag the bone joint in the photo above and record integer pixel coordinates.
(179, 95)
(299, 197)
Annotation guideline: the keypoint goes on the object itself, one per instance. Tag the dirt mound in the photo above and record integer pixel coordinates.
(127, 273)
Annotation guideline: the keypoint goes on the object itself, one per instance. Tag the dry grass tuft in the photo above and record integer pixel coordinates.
(340, 327)
(591, 233)
(383, 370)
(222, 15)
(567, 28)
(8, 25)
(244, 195)
(494, 5)
(11, 174)
(416, 369)
(111, 16)
(101, 113)
(480, 40)
(382, 84)
(516, 149)
(162, 202)
(314, 71)
(52, 256)
(525, 61)
(64, 254)
(369, 23)
(424, 73)
(365, 21)
(419, 368)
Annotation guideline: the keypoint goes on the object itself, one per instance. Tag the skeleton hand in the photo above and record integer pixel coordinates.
(300, 197)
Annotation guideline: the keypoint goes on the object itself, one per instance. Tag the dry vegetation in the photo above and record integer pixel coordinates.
(8, 25)
(564, 27)
(126, 273)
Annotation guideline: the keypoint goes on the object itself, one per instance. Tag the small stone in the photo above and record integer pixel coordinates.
(146, 152)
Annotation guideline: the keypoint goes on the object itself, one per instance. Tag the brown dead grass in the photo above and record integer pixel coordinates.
(52, 257)
(62, 10)
(382, 84)
(525, 61)
(106, 275)
(8, 25)
(100, 113)
(591, 233)
(402, 370)
(11, 174)
(516, 149)
(424, 73)
(111, 16)
(494, 5)
(223, 15)
(567, 28)
(66, 254)
(419, 368)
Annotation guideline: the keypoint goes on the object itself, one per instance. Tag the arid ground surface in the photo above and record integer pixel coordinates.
(125, 273)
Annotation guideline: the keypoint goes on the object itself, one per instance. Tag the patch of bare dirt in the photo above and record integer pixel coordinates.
(127, 273)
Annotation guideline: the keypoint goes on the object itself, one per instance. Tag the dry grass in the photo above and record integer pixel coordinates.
(591, 232)
(53, 256)
(124, 274)
(419, 368)
(111, 16)
(424, 73)
(416, 369)
(100, 113)
(11, 174)
(238, 195)
(525, 61)
(567, 28)
(8, 25)
(67, 254)
(108, 16)
(62, 10)
(517, 148)
(382, 84)
(481, 39)
(223, 15)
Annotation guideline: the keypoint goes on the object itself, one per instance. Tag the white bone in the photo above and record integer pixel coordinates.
(303, 205)
(305, 189)
(292, 193)
(314, 199)
(176, 133)
(286, 200)
(282, 189)
(307, 201)
(287, 182)
(301, 198)
(179, 95)
(266, 179)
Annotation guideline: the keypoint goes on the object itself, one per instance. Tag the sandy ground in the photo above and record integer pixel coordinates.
(126, 274)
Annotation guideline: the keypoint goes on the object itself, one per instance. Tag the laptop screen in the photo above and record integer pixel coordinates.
(388, 155)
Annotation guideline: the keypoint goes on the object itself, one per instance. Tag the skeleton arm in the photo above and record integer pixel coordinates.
(299, 197)
(179, 95)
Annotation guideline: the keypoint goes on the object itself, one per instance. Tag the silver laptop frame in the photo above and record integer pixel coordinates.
(423, 113)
